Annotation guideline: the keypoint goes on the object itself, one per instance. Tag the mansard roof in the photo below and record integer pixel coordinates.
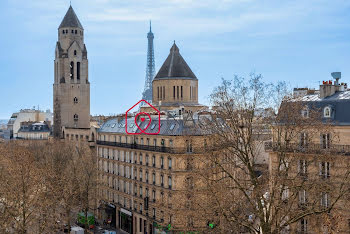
(70, 20)
(175, 66)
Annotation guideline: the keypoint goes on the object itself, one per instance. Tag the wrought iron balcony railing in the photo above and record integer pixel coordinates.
(162, 149)
(308, 148)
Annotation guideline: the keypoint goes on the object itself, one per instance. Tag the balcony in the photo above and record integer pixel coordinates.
(309, 148)
(161, 149)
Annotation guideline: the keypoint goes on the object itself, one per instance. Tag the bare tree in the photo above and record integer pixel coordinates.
(20, 189)
(44, 186)
(242, 196)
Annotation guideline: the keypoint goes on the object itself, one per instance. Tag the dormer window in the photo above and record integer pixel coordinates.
(305, 113)
(327, 112)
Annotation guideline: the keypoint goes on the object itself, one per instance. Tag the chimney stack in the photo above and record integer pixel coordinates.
(327, 88)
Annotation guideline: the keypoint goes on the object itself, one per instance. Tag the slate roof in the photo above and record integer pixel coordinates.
(35, 127)
(70, 20)
(338, 102)
(168, 127)
(175, 66)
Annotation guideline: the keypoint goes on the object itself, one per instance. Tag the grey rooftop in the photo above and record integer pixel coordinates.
(175, 66)
(70, 20)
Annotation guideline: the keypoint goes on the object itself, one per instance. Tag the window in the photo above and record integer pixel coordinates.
(158, 92)
(324, 170)
(154, 195)
(71, 70)
(76, 31)
(75, 117)
(161, 162)
(325, 140)
(181, 92)
(146, 176)
(154, 213)
(155, 142)
(285, 193)
(303, 139)
(147, 193)
(189, 146)
(161, 180)
(174, 92)
(153, 126)
(305, 113)
(141, 213)
(140, 174)
(327, 112)
(141, 159)
(163, 92)
(148, 141)
(140, 191)
(147, 159)
(303, 225)
(78, 70)
(325, 200)
(75, 100)
(169, 181)
(302, 197)
(154, 178)
(170, 143)
(63, 31)
(172, 126)
(169, 163)
(153, 161)
(75, 52)
(302, 167)
(72, 31)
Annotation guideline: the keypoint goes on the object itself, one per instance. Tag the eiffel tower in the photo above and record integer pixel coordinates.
(150, 68)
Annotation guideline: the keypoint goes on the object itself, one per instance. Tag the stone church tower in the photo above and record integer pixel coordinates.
(71, 89)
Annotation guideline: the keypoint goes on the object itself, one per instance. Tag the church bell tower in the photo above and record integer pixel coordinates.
(71, 88)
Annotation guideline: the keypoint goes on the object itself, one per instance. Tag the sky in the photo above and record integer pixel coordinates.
(297, 41)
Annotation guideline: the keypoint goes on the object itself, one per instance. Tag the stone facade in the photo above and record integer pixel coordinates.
(149, 179)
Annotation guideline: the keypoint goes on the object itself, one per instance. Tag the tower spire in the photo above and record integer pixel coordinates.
(150, 67)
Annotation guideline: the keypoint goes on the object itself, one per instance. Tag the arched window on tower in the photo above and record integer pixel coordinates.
(76, 117)
(75, 100)
(63, 31)
(76, 31)
(78, 70)
(66, 31)
(72, 70)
